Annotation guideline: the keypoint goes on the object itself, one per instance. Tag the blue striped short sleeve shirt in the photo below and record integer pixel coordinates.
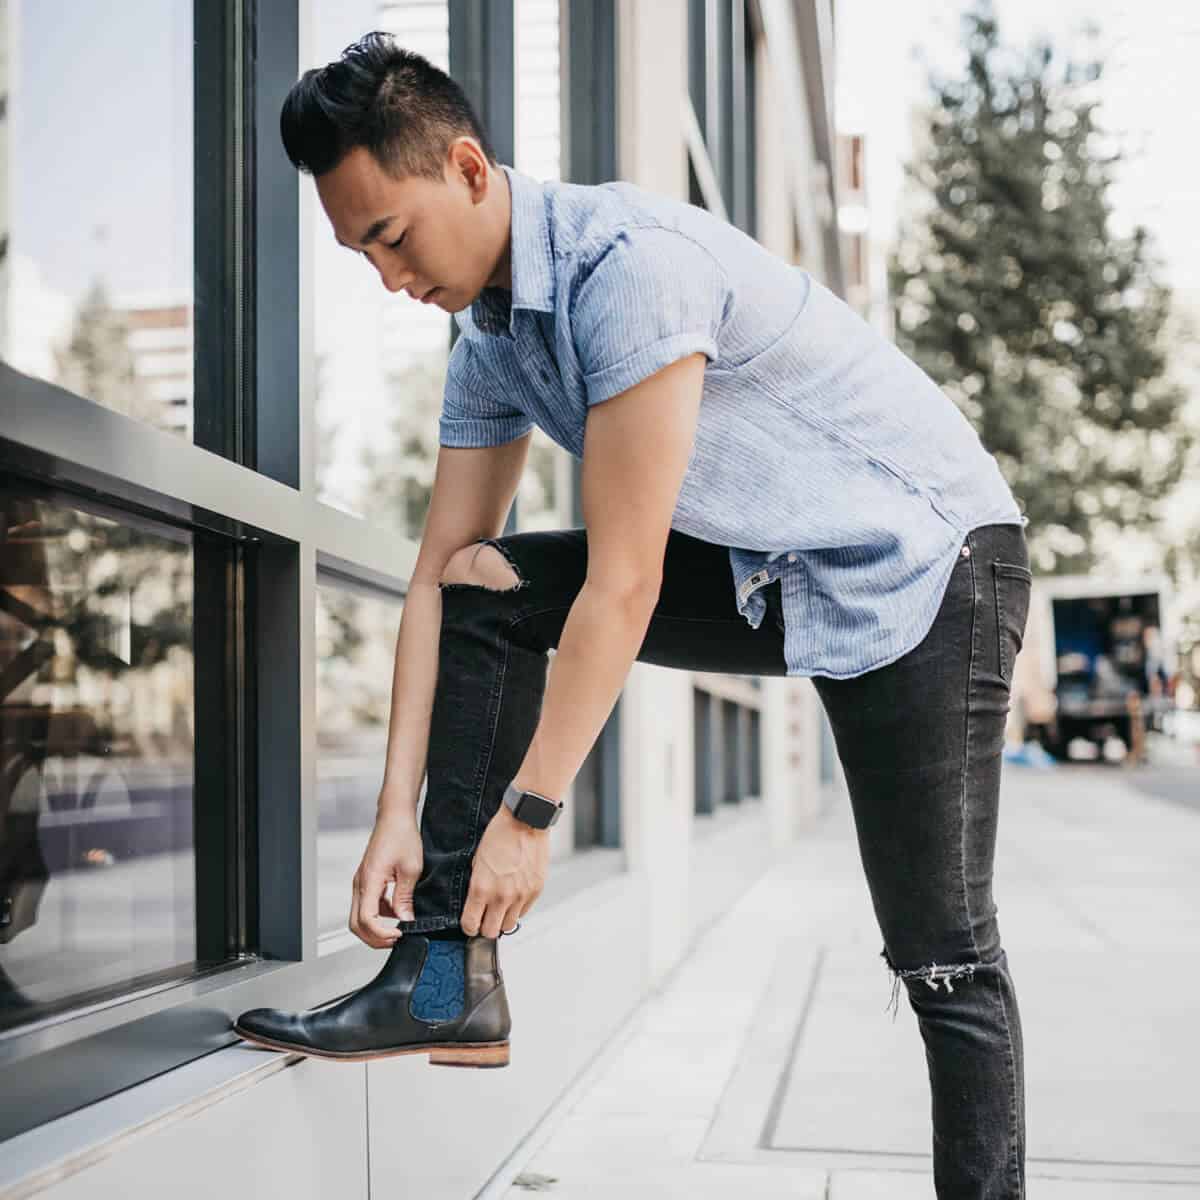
(824, 457)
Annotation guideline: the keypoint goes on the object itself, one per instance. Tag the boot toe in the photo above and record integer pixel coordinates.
(270, 1023)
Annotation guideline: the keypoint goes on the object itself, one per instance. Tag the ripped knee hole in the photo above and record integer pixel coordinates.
(930, 976)
(481, 565)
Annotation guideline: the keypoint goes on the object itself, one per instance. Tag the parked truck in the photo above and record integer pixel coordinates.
(1098, 661)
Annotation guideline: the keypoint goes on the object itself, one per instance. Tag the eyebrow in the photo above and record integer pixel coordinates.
(376, 229)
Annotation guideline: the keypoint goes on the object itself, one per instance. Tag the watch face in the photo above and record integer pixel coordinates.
(535, 810)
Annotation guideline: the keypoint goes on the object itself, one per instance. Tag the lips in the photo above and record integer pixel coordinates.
(425, 299)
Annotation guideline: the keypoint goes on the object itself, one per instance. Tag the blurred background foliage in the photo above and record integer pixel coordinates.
(1048, 327)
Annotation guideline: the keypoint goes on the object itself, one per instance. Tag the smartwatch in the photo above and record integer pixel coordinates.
(532, 808)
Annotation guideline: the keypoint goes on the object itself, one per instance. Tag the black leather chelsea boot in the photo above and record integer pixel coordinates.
(378, 1020)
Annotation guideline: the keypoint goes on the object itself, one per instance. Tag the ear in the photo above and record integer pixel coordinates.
(467, 161)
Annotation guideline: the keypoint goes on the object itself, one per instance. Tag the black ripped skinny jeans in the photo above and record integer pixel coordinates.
(920, 740)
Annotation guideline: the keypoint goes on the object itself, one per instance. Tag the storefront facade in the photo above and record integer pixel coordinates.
(217, 434)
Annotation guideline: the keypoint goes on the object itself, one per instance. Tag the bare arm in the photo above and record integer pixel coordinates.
(473, 490)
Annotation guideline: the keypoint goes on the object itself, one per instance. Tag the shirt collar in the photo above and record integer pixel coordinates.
(532, 260)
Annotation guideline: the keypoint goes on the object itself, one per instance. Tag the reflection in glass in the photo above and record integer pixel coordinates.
(97, 742)
(96, 255)
(356, 645)
(380, 358)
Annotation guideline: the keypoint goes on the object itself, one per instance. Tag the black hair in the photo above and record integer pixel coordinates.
(398, 105)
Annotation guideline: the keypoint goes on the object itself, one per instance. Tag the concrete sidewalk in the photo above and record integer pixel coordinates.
(767, 1066)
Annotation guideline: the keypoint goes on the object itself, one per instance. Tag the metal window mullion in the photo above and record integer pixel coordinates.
(589, 90)
(711, 117)
(483, 63)
(698, 57)
(751, 93)
(482, 49)
(247, 239)
(271, 248)
(740, 116)
(219, 184)
(725, 98)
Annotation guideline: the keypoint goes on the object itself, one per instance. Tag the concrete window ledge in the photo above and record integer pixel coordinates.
(40, 1158)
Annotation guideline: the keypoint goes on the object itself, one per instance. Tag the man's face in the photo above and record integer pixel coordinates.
(447, 250)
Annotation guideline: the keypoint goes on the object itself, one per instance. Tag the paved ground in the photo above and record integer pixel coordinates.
(767, 1066)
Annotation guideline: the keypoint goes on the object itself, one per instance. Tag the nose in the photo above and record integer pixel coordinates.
(394, 277)
(394, 280)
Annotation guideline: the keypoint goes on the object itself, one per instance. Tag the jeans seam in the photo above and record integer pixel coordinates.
(1014, 1154)
(966, 769)
(1013, 1157)
(999, 623)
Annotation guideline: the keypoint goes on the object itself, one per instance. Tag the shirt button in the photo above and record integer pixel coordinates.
(791, 558)
(965, 552)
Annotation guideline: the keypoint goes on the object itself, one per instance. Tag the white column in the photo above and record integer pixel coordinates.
(657, 797)
(651, 79)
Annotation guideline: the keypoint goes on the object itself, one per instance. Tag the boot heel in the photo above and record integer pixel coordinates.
(495, 1055)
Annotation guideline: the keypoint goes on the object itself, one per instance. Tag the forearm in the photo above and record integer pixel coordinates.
(599, 642)
(414, 678)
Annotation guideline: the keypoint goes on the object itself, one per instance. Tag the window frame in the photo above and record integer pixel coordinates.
(245, 484)
(245, 488)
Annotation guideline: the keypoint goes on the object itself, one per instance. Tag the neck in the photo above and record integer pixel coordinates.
(501, 276)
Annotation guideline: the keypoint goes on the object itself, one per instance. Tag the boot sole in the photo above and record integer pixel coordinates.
(441, 1054)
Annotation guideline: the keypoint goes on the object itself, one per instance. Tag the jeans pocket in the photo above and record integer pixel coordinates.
(1013, 584)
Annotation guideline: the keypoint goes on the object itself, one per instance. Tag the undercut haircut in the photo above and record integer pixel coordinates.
(392, 101)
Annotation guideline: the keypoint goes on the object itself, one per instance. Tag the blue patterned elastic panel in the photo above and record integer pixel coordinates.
(438, 994)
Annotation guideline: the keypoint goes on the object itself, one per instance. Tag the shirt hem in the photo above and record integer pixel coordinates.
(962, 529)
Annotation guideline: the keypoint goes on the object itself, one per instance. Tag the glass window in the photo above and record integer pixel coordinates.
(698, 59)
(755, 784)
(703, 746)
(356, 645)
(97, 741)
(538, 113)
(380, 358)
(96, 250)
(541, 496)
(731, 752)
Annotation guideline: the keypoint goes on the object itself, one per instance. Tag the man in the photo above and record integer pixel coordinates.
(768, 488)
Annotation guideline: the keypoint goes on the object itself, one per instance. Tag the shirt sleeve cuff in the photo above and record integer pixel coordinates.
(621, 376)
(495, 431)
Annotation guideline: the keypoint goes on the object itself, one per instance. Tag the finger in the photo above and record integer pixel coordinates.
(511, 917)
(493, 918)
(472, 913)
(352, 922)
(368, 908)
(528, 904)
(402, 899)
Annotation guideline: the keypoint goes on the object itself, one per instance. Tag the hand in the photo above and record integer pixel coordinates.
(393, 855)
(507, 875)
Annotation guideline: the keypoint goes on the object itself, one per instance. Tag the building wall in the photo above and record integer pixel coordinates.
(613, 920)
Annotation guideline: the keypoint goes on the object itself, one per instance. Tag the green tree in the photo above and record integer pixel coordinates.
(1013, 290)
(97, 363)
(399, 468)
